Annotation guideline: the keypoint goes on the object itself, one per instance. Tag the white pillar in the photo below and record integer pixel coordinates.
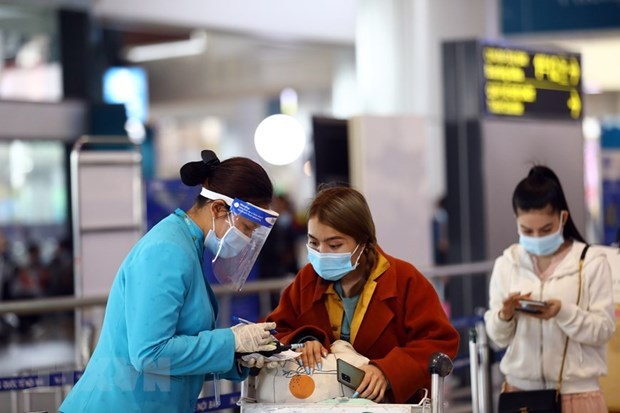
(398, 55)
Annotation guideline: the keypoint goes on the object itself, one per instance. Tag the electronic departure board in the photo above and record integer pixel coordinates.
(523, 83)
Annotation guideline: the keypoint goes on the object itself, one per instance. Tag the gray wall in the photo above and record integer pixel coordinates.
(510, 148)
(387, 164)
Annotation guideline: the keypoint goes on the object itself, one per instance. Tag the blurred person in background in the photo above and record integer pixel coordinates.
(33, 277)
(31, 281)
(159, 341)
(441, 246)
(7, 269)
(545, 266)
(61, 269)
(441, 240)
(278, 258)
(7, 275)
(352, 290)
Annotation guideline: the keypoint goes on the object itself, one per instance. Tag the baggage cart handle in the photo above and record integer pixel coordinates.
(439, 366)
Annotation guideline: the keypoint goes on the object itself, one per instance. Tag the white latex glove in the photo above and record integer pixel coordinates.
(260, 362)
(250, 338)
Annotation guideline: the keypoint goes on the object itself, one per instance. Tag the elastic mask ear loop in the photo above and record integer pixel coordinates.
(221, 240)
(229, 219)
(358, 257)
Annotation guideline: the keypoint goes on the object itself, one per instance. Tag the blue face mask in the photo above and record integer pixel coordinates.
(332, 266)
(543, 246)
(230, 245)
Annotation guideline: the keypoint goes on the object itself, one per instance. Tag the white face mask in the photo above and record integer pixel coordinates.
(543, 246)
(230, 245)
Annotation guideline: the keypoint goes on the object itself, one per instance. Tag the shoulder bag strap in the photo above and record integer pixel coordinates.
(581, 261)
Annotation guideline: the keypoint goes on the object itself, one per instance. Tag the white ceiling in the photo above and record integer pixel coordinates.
(332, 22)
(316, 20)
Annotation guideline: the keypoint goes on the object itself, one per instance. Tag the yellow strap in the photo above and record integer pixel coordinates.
(366, 295)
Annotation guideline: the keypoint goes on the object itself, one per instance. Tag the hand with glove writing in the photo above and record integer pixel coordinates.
(251, 338)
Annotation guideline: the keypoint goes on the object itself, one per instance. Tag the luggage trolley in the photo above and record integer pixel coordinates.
(108, 214)
(439, 366)
(479, 369)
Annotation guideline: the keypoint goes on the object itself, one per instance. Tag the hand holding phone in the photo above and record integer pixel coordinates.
(348, 374)
(531, 306)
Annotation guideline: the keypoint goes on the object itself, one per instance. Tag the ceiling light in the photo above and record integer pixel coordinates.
(591, 128)
(288, 101)
(195, 45)
(279, 139)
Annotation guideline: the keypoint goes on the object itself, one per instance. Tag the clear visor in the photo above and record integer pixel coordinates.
(240, 246)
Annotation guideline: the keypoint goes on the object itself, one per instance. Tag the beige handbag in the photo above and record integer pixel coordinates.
(292, 384)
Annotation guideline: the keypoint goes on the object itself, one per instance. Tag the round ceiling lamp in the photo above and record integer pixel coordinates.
(279, 139)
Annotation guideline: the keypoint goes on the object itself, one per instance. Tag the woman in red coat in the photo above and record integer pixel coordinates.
(352, 290)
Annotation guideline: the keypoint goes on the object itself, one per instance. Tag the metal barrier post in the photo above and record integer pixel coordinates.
(58, 395)
(26, 395)
(14, 401)
(473, 370)
(484, 383)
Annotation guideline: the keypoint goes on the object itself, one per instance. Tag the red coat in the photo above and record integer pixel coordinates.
(402, 327)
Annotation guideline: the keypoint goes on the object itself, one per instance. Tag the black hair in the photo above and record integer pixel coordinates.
(234, 177)
(542, 188)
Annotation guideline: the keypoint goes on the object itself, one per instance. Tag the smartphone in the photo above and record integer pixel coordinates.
(531, 306)
(348, 374)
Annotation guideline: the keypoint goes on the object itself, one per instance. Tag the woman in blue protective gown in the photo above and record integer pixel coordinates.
(159, 342)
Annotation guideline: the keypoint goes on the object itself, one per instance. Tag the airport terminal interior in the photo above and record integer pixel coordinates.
(433, 109)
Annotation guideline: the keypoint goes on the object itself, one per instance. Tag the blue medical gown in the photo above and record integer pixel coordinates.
(158, 341)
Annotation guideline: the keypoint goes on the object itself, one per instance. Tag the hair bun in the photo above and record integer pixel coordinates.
(543, 172)
(192, 173)
(209, 158)
(195, 173)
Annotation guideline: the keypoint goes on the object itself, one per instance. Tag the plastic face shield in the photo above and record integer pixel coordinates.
(255, 224)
